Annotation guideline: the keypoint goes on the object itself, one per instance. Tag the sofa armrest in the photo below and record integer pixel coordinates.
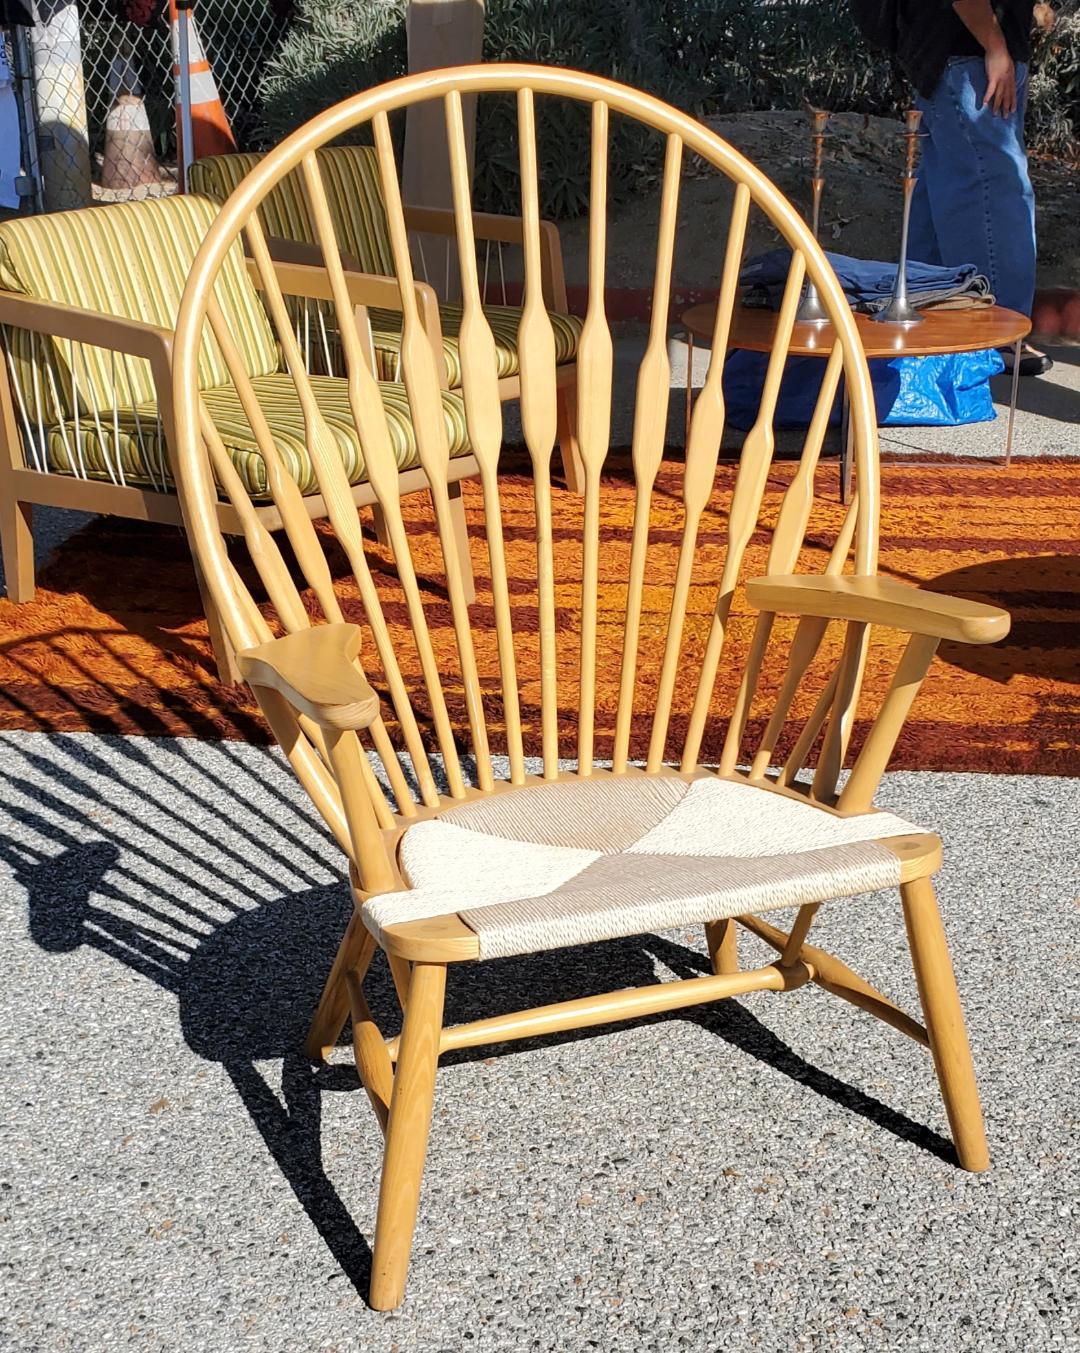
(502, 230)
(97, 330)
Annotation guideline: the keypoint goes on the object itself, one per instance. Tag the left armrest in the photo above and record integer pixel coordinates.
(300, 272)
(880, 601)
(315, 670)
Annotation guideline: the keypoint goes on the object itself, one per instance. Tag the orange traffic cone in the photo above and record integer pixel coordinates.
(210, 131)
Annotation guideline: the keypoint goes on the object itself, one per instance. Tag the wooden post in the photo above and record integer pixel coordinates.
(60, 104)
(440, 33)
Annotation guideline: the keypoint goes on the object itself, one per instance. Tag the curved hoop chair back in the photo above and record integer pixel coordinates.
(447, 870)
(457, 668)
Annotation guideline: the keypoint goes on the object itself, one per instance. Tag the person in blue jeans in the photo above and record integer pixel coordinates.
(968, 61)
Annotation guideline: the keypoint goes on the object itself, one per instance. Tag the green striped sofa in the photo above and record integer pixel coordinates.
(88, 303)
(89, 412)
(354, 193)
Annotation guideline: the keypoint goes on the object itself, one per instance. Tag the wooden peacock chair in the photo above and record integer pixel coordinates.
(457, 853)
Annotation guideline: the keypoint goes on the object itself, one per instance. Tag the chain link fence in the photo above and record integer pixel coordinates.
(93, 86)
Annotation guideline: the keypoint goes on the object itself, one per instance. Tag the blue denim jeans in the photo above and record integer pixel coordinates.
(973, 202)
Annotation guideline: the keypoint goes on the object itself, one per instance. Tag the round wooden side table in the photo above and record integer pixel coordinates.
(942, 331)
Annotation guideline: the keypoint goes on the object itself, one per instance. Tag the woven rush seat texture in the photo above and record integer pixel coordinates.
(572, 862)
(135, 435)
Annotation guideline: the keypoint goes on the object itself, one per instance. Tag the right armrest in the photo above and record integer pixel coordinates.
(315, 670)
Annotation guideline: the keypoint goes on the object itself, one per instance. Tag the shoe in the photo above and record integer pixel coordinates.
(1032, 361)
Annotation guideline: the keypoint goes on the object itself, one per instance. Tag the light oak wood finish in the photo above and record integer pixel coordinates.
(945, 1022)
(314, 688)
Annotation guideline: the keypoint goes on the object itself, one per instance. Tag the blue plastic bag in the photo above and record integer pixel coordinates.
(942, 391)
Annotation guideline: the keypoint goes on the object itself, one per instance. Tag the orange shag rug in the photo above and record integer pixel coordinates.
(114, 641)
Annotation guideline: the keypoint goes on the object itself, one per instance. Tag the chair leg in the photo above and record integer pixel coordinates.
(407, 1135)
(354, 953)
(460, 527)
(945, 1022)
(721, 938)
(17, 542)
(566, 410)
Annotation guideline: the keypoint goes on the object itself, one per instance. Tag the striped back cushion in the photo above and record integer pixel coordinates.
(351, 176)
(130, 260)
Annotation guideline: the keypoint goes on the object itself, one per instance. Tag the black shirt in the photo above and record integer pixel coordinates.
(930, 31)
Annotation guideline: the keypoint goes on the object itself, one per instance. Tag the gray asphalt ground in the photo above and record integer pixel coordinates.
(765, 1174)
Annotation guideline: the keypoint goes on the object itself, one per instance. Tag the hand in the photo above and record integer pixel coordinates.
(1000, 81)
(1045, 18)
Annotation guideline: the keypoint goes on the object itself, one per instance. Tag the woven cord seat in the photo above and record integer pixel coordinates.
(578, 861)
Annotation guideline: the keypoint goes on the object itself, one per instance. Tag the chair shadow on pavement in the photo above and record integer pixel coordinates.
(247, 976)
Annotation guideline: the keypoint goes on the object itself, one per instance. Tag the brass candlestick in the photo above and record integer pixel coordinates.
(900, 310)
(810, 310)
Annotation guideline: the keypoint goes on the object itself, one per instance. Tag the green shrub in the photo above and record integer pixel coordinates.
(333, 49)
(701, 55)
(682, 50)
(1053, 119)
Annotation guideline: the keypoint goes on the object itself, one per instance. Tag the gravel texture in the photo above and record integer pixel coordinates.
(766, 1174)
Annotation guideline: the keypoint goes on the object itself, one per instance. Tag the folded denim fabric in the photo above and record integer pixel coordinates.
(868, 283)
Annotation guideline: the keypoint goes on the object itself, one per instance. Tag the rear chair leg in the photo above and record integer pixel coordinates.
(945, 1022)
(224, 653)
(353, 955)
(723, 946)
(407, 1134)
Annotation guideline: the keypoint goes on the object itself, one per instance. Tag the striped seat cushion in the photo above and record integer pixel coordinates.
(134, 437)
(504, 321)
(130, 260)
(551, 865)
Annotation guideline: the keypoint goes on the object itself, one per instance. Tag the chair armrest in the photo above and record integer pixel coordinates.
(502, 230)
(880, 601)
(97, 330)
(310, 279)
(315, 670)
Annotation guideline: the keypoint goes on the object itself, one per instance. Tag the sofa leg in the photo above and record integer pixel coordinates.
(382, 531)
(224, 654)
(17, 542)
(460, 528)
(566, 409)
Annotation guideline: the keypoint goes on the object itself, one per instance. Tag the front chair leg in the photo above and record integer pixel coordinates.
(407, 1134)
(945, 1022)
